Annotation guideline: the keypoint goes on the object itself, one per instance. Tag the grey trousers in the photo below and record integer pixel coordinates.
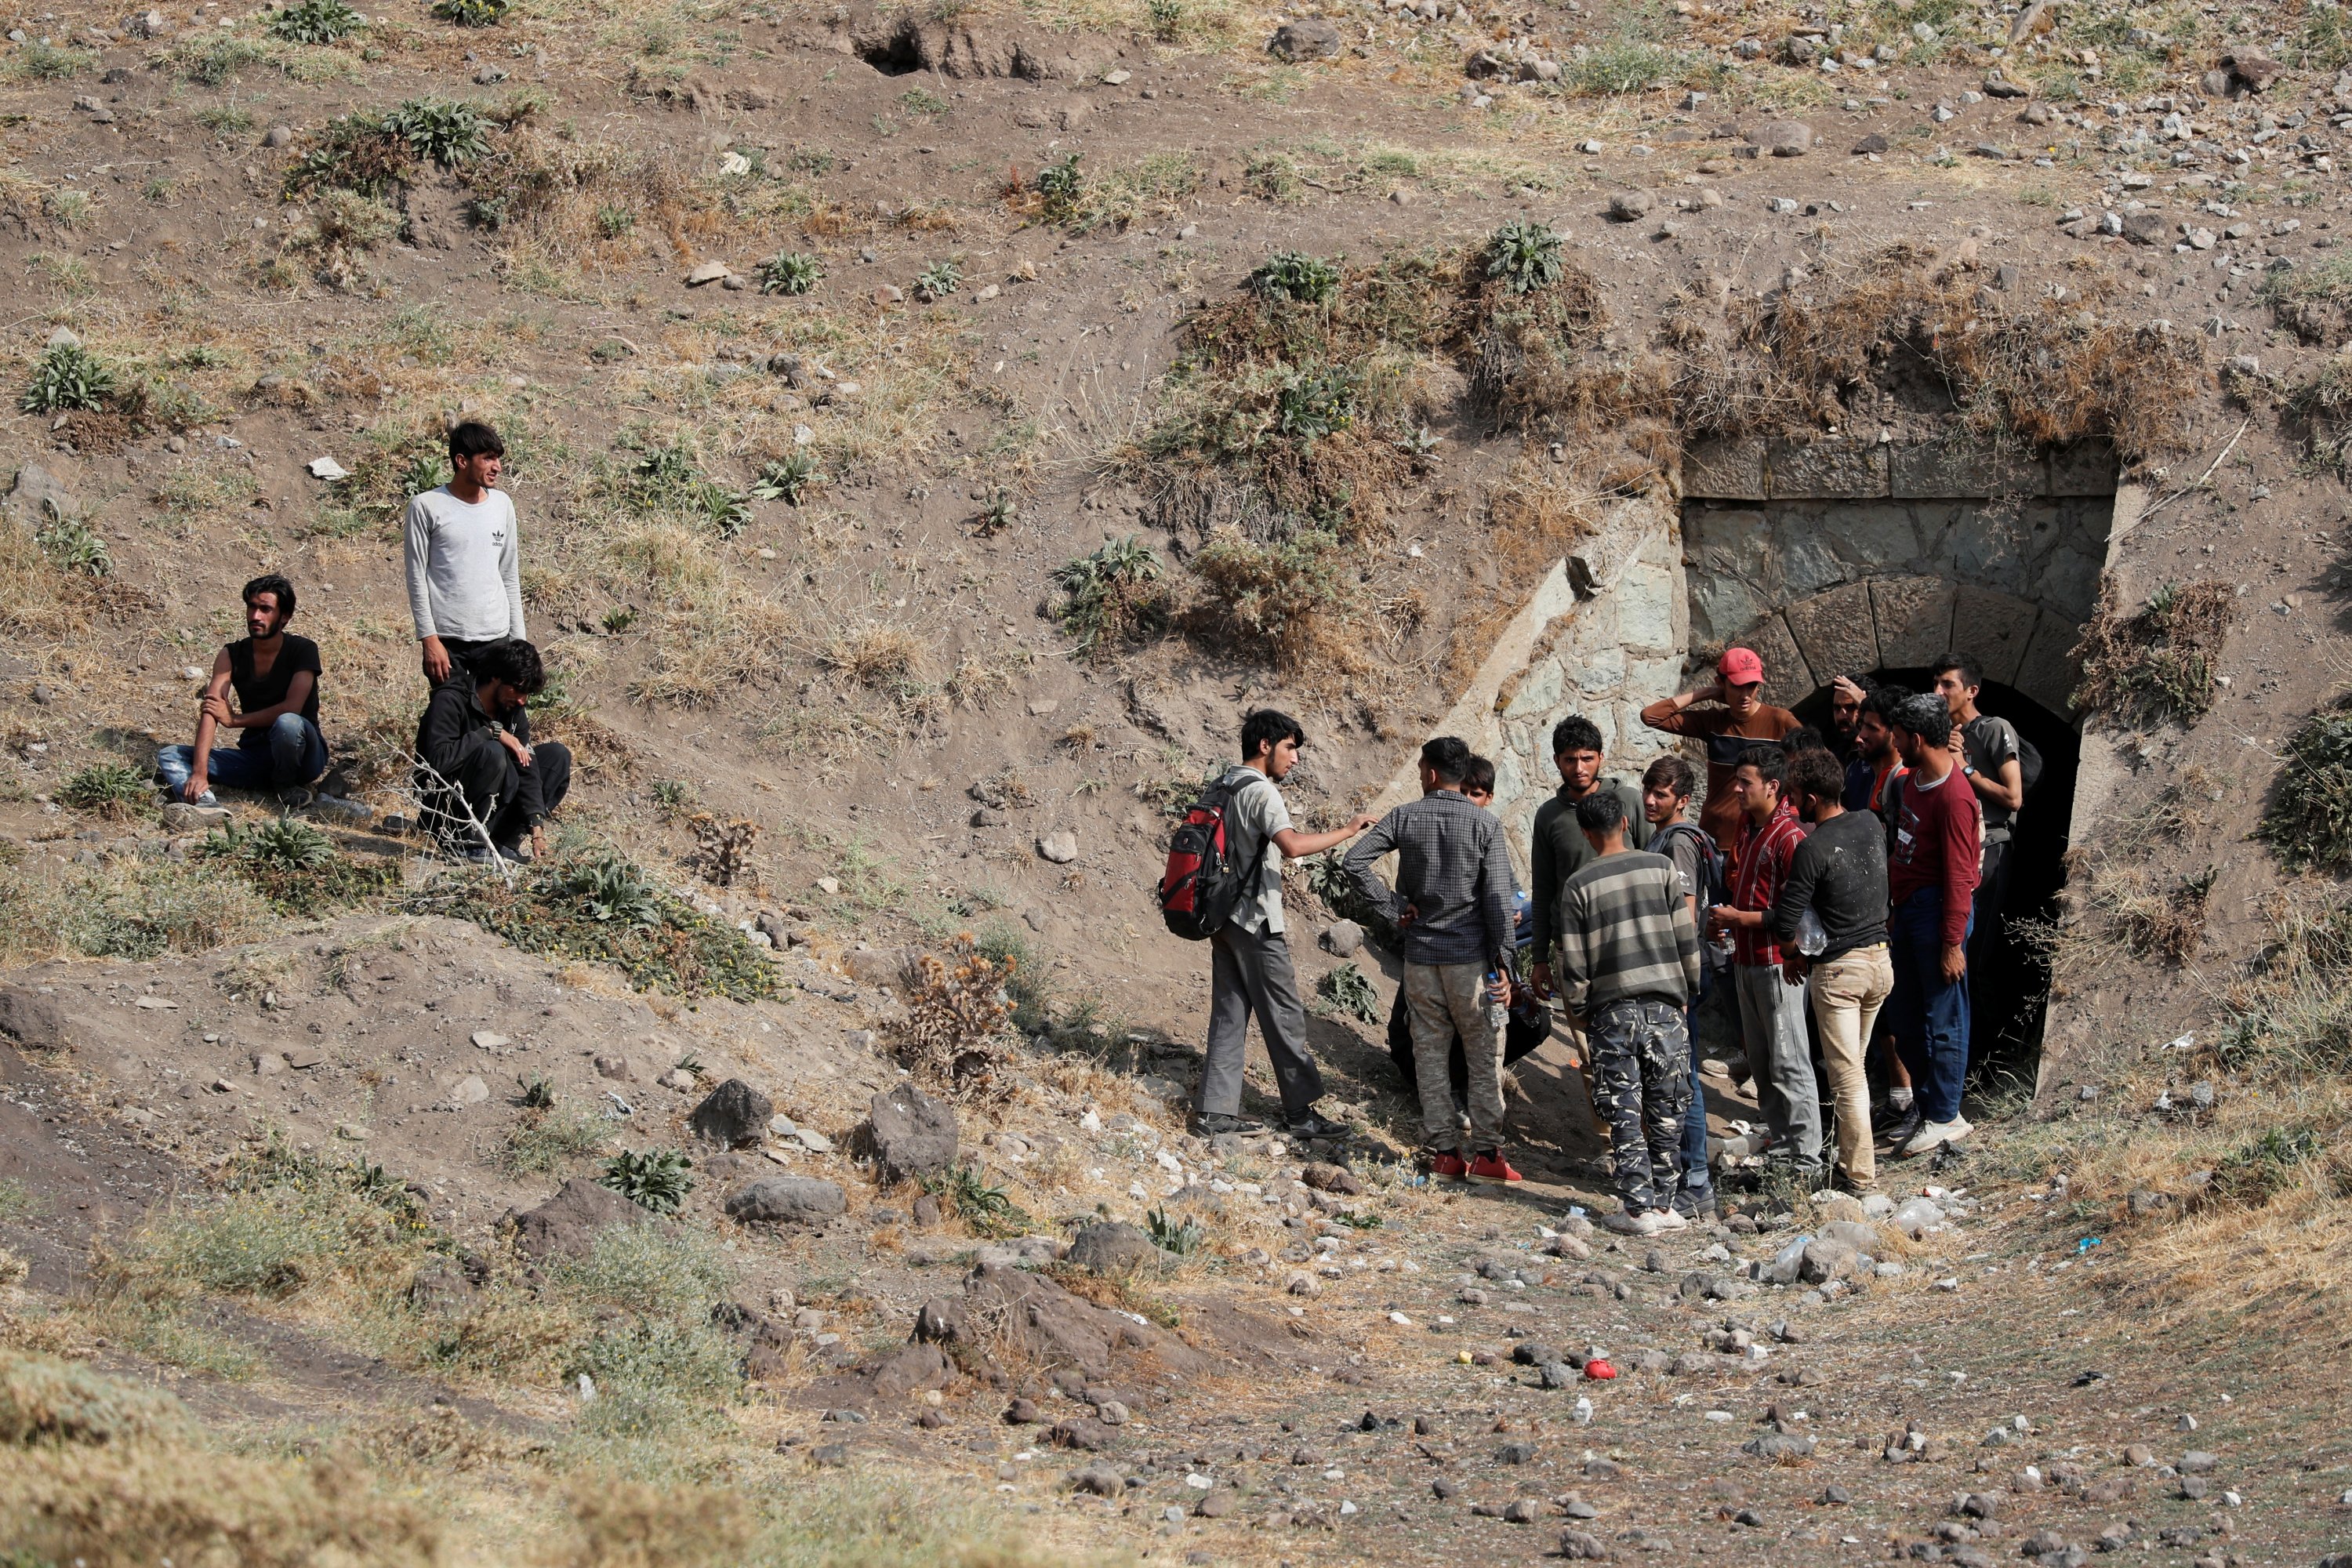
(1772, 1022)
(1250, 972)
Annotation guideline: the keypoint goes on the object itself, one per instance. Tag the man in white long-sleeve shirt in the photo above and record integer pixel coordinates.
(464, 587)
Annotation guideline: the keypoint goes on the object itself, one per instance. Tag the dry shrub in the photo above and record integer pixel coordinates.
(629, 1524)
(2324, 405)
(2049, 375)
(2153, 921)
(2309, 818)
(1286, 599)
(877, 654)
(2156, 664)
(721, 848)
(954, 1034)
(103, 1473)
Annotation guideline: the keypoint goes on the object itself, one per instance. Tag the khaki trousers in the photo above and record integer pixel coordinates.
(1440, 1000)
(1848, 991)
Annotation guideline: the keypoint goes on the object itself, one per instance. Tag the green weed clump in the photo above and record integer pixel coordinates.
(75, 548)
(2313, 300)
(938, 281)
(1182, 1236)
(314, 22)
(1113, 596)
(654, 1179)
(1524, 257)
(296, 867)
(988, 1209)
(116, 791)
(790, 273)
(471, 12)
(1347, 992)
(47, 62)
(2309, 821)
(548, 1137)
(1296, 276)
(67, 378)
(601, 908)
(667, 480)
(1281, 597)
(2157, 665)
(788, 478)
(1059, 187)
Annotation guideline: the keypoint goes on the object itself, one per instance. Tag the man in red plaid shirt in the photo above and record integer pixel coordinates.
(1771, 1006)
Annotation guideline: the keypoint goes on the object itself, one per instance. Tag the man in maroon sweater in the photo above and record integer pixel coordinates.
(1931, 881)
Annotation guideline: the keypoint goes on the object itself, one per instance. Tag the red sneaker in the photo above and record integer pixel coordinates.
(1490, 1166)
(1449, 1166)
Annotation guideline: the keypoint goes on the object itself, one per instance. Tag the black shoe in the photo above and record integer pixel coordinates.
(1210, 1124)
(1695, 1203)
(1314, 1126)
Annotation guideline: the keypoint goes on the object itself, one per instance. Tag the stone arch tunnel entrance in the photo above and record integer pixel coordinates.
(1874, 562)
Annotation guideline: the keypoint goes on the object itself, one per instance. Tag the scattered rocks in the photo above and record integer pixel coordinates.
(786, 1200)
(914, 1134)
(31, 1019)
(1343, 939)
(1627, 206)
(1061, 848)
(1328, 1178)
(708, 272)
(1782, 137)
(732, 1114)
(1112, 1246)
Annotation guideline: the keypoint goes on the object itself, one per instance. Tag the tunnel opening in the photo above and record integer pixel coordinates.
(899, 52)
(2009, 991)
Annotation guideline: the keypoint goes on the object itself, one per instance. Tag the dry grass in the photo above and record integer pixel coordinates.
(2155, 665)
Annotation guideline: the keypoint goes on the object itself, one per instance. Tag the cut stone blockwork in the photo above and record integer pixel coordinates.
(1905, 623)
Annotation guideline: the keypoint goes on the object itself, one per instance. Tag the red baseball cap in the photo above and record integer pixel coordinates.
(1739, 667)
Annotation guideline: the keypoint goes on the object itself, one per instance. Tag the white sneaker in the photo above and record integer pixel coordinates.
(1642, 1224)
(1934, 1135)
(1668, 1219)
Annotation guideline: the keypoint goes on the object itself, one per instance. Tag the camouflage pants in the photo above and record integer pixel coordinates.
(1641, 1064)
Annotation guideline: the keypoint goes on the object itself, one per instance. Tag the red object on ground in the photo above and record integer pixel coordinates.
(1449, 1167)
(1491, 1167)
(1599, 1371)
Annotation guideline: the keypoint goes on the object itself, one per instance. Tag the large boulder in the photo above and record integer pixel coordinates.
(1308, 39)
(786, 1200)
(1110, 1247)
(569, 1222)
(38, 496)
(733, 1113)
(31, 1019)
(914, 1134)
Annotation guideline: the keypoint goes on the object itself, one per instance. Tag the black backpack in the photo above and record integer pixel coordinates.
(1710, 858)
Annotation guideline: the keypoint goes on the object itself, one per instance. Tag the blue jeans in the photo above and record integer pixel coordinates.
(290, 752)
(1931, 1016)
(1695, 1174)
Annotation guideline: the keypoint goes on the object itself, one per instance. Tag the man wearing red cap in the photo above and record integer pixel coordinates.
(1735, 717)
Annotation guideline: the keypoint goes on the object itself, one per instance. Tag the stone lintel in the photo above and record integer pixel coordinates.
(1826, 470)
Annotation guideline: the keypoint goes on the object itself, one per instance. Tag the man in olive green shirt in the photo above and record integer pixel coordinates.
(1557, 848)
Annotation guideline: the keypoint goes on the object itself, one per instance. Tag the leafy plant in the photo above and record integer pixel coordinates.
(938, 281)
(790, 273)
(440, 132)
(294, 865)
(472, 12)
(549, 1138)
(667, 479)
(314, 22)
(114, 790)
(287, 844)
(67, 376)
(1347, 992)
(1316, 403)
(1297, 276)
(653, 1179)
(72, 545)
(609, 890)
(47, 62)
(1112, 594)
(786, 479)
(2259, 1170)
(2309, 819)
(1525, 256)
(999, 515)
(613, 220)
(967, 1190)
(1059, 186)
(1181, 1236)
(2158, 664)
(537, 1094)
(1167, 17)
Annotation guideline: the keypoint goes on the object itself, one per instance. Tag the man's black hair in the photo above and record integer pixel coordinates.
(1602, 812)
(1815, 773)
(1925, 716)
(1965, 665)
(1447, 756)
(472, 438)
(1885, 701)
(1770, 762)
(1478, 778)
(514, 661)
(1804, 738)
(1575, 734)
(1672, 772)
(1265, 726)
(272, 583)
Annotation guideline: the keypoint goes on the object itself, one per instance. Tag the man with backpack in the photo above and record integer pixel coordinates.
(1250, 969)
(1666, 789)
(1452, 909)
(1995, 760)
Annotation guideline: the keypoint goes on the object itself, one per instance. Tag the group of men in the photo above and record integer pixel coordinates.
(1824, 887)
(485, 787)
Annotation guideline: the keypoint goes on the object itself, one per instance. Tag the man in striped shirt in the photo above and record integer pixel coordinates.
(1628, 964)
(1771, 1006)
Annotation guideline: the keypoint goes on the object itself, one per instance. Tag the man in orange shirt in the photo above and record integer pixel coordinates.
(1735, 717)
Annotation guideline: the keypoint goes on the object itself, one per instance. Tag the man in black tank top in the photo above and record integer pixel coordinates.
(275, 676)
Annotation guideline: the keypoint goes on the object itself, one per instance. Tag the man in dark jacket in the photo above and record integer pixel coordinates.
(484, 784)
(1452, 909)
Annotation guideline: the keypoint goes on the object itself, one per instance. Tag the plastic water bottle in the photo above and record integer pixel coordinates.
(1812, 935)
